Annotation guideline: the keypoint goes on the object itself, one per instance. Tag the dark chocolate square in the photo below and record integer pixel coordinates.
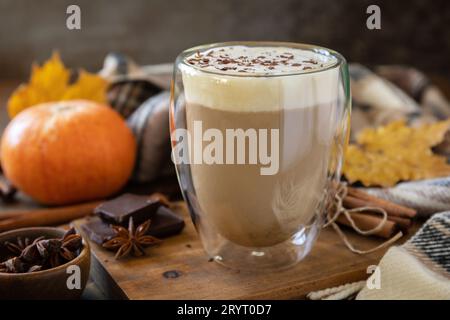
(120, 209)
(97, 230)
(165, 223)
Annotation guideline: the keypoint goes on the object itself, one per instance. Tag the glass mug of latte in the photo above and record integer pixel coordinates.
(258, 131)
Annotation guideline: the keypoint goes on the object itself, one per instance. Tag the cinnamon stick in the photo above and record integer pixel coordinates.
(356, 198)
(46, 217)
(367, 222)
(403, 223)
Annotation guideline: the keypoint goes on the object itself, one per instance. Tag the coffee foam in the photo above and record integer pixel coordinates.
(305, 79)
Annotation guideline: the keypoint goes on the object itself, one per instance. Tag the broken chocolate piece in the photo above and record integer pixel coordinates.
(165, 223)
(120, 209)
(97, 230)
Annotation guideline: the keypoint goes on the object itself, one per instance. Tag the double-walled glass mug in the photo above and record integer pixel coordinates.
(258, 131)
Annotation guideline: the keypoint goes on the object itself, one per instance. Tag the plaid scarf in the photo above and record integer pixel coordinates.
(419, 269)
(394, 92)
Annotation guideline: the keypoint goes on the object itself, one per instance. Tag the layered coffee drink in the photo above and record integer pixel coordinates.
(267, 120)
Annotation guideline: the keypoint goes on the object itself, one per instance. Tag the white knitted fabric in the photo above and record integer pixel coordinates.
(403, 276)
(420, 269)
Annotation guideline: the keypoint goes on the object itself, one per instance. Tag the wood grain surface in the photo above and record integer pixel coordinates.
(330, 263)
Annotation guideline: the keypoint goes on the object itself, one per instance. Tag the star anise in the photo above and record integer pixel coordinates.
(59, 251)
(17, 247)
(42, 253)
(131, 240)
(71, 243)
(13, 265)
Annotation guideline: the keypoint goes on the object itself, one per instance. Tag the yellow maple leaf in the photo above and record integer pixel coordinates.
(52, 78)
(89, 86)
(50, 82)
(396, 152)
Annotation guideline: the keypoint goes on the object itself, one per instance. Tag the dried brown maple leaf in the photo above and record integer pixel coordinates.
(396, 152)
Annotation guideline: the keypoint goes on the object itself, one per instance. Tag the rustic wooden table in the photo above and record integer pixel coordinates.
(180, 269)
(330, 262)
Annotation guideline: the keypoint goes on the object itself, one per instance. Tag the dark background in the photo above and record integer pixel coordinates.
(414, 32)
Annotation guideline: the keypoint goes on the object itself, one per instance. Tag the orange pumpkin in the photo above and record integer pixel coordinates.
(68, 151)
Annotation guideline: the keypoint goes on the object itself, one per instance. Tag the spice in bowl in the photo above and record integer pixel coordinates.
(30, 255)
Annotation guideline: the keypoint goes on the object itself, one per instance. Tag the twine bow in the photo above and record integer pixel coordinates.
(340, 194)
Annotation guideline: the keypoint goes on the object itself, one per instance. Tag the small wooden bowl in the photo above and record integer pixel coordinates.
(45, 284)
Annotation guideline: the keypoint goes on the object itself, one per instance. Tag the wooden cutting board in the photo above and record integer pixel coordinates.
(330, 263)
(180, 269)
